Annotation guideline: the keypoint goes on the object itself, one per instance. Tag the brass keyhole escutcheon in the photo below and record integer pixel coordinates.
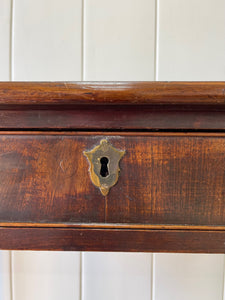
(104, 165)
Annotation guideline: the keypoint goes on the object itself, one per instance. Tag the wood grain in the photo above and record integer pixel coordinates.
(70, 93)
(112, 226)
(166, 179)
(112, 240)
(112, 117)
(170, 193)
(112, 105)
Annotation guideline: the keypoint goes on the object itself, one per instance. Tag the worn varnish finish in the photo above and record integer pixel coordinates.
(113, 105)
(164, 179)
(74, 239)
(113, 117)
(108, 93)
(171, 189)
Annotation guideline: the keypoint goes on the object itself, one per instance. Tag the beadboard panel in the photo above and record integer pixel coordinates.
(5, 32)
(47, 40)
(119, 39)
(188, 276)
(5, 275)
(5, 72)
(45, 275)
(117, 276)
(47, 45)
(119, 44)
(191, 43)
(190, 46)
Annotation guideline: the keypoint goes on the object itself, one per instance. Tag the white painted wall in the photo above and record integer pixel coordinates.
(111, 40)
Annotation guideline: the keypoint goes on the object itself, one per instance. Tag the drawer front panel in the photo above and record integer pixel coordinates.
(164, 179)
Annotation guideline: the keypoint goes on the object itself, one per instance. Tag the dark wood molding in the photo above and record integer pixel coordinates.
(126, 240)
(112, 93)
(112, 105)
(171, 189)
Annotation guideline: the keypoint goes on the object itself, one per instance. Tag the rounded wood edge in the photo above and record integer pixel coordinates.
(112, 93)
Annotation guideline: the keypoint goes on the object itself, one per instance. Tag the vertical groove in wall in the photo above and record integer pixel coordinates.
(156, 39)
(83, 42)
(153, 276)
(223, 291)
(11, 277)
(82, 79)
(11, 78)
(156, 79)
(11, 41)
(81, 276)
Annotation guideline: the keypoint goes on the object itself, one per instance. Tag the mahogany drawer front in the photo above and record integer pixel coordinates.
(169, 196)
(165, 178)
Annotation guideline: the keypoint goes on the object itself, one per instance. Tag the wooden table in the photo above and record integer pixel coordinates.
(112, 166)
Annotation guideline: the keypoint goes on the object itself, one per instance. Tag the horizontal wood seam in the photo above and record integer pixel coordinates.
(116, 133)
(114, 226)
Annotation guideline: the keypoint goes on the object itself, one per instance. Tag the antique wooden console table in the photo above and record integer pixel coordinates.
(113, 166)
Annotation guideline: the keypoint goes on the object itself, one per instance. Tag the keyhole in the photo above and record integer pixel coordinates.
(104, 167)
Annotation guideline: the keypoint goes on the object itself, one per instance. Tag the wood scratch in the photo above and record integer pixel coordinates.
(66, 86)
(61, 166)
(6, 153)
